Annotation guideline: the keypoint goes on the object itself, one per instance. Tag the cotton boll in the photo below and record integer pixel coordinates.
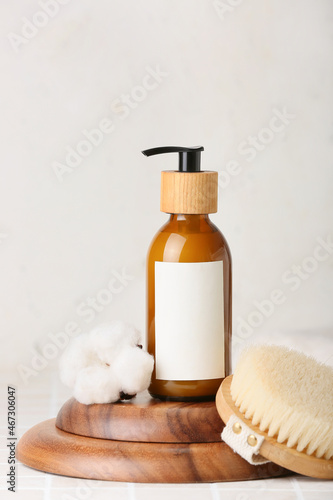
(96, 384)
(133, 336)
(133, 368)
(109, 338)
(105, 363)
(76, 357)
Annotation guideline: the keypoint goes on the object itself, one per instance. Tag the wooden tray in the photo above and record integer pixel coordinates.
(142, 440)
(143, 419)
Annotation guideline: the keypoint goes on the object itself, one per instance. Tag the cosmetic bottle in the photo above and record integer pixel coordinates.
(188, 286)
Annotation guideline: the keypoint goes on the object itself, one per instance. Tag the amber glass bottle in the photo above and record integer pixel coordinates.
(188, 287)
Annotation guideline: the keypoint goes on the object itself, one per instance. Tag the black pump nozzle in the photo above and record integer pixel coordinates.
(189, 158)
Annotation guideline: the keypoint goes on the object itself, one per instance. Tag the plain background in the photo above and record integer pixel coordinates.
(226, 72)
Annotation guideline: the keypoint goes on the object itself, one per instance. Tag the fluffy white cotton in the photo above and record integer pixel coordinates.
(106, 362)
(95, 384)
(109, 339)
(137, 378)
(76, 357)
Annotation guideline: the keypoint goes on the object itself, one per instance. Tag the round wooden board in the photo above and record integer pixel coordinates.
(272, 450)
(47, 448)
(143, 419)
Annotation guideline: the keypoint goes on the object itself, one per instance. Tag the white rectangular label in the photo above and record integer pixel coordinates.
(189, 320)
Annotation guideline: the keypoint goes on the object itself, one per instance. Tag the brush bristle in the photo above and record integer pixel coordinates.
(288, 395)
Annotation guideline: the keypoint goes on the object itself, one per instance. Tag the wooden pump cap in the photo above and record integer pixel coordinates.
(189, 192)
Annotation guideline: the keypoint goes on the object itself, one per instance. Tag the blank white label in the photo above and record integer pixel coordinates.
(189, 321)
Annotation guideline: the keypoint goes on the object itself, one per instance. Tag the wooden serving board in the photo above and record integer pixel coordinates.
(47, 448)
(143, 419)
(142, 440)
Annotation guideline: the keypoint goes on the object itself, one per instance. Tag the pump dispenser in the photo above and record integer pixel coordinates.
(188, 286)
(181, 193)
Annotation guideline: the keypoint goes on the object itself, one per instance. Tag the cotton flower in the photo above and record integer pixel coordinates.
(106, 364)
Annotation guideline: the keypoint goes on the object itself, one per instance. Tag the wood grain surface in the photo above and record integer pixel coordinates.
(278, 453)
(47, 448)
(143, 419)
(184, 193)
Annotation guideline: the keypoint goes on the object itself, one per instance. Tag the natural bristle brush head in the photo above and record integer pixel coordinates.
(287, 394)
(286, 399)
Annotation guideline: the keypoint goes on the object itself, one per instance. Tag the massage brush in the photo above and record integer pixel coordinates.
(278, 406)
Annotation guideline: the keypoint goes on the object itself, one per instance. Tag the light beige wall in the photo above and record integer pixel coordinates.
(196, 73)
